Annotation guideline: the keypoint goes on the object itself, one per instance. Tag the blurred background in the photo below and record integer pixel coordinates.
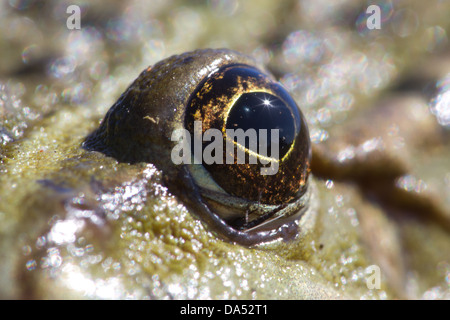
(322, 51)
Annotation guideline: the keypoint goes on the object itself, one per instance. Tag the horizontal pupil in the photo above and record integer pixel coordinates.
(261, 110)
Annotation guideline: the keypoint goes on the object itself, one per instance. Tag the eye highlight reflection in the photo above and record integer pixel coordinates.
(260, 110)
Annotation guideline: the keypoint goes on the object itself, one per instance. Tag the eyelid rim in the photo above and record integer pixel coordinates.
(251, 237)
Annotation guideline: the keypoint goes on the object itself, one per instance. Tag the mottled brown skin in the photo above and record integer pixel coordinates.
(139, 126)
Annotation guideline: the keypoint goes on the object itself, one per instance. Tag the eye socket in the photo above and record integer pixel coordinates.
(242, 97)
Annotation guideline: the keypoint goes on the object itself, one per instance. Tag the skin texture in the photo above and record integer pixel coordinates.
(149, 245)
(79, 224)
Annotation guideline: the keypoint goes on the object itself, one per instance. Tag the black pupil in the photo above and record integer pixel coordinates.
(261, 110)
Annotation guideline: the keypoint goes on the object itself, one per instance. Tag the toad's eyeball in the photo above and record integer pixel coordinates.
(232, 143)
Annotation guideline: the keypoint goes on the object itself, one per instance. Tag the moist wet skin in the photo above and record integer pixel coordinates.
(115, 225)
(79, 224)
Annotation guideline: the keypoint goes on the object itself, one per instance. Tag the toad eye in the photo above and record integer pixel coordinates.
(264, 161)
(261, 110)
(245, 172)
